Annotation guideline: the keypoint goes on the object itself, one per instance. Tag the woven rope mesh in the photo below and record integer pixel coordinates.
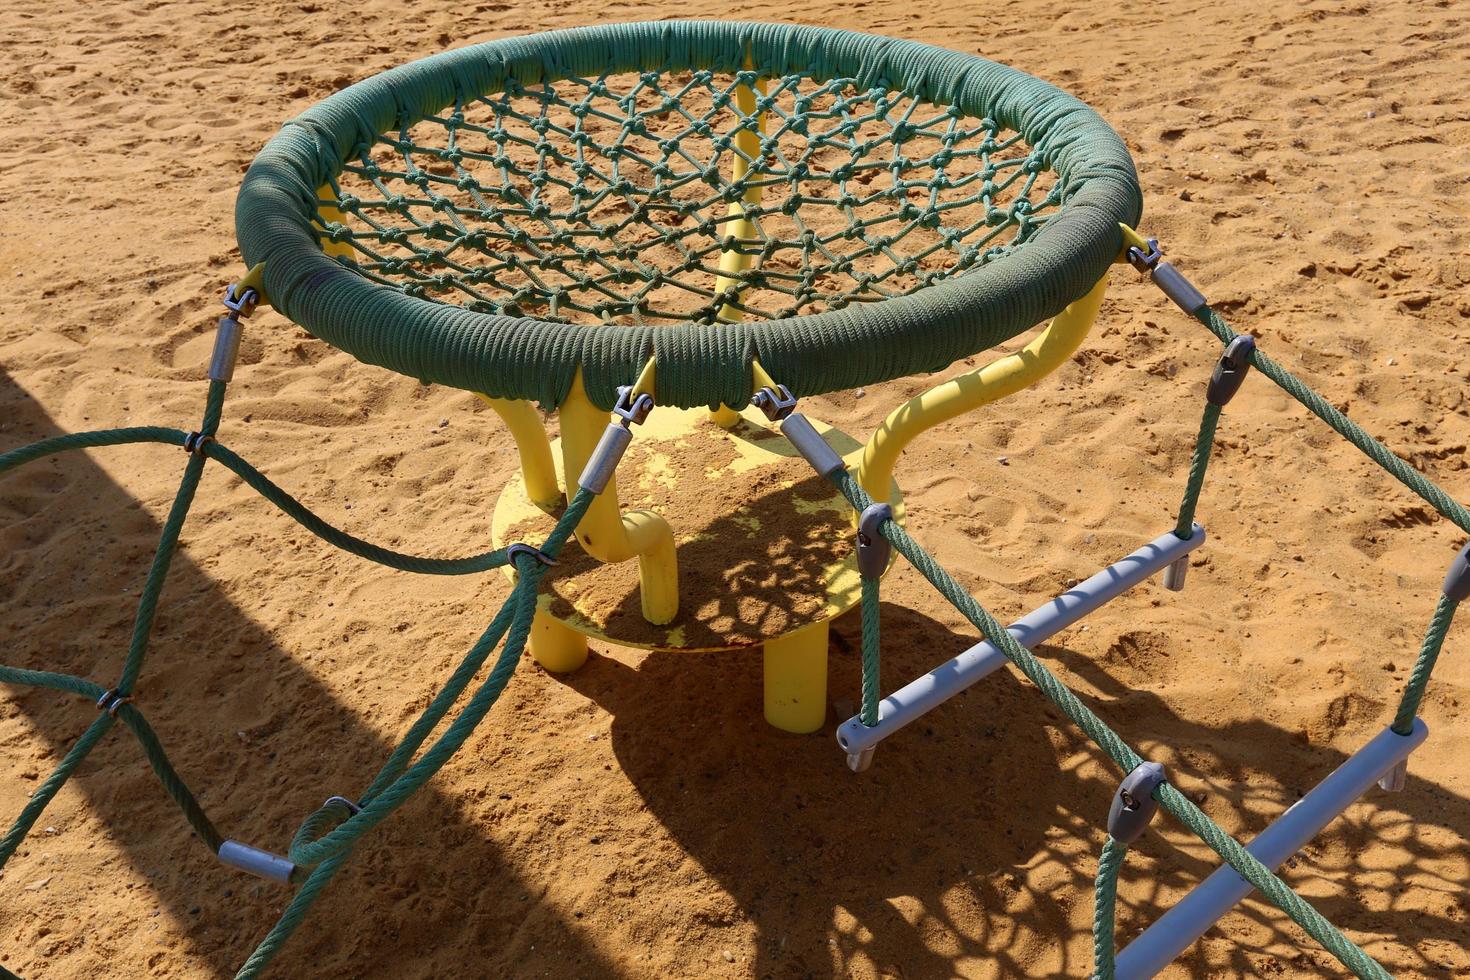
(690, 196)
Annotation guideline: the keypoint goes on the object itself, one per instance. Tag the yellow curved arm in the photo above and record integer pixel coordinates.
(609, 535)
(1001, 377)
(524, 423)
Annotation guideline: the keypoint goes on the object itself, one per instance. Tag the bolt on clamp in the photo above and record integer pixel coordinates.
(1134, 804)
(1166, 277)
(779, 405)
(631, 409)
(873, 549)
(1230, 370)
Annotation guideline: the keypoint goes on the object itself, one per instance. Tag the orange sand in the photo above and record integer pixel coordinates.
(1309, 166)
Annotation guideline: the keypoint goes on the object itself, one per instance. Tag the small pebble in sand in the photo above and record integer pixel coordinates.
(443, 423)
(1392, 362)
(729, 956)
(859, 393)
(1003, 460)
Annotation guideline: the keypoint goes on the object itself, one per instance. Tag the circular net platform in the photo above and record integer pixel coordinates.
(495, 217)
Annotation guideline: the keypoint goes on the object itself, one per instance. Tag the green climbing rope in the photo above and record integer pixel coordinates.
(1344, 426)
(1105, 907)
(328, 836)
(1439, 627)
(1260, 877)
(497, 217)
(1198, 464)
(872, 651)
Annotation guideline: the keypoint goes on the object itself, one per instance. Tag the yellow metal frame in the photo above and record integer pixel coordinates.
(796, 663)
(734, 261)
(1001, 377)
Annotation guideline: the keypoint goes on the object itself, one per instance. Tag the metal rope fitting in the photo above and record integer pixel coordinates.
(1134, 804)
(510, 553)
(778, 403)
(111, 700)
(226, 349)
(263, 864)
(805, 438)
(873, 549)
(1166, 277)
(353, 809)
(1457, 579)
(195, 442)
(616, 438)
(242, 305)
(227, 332)
(632, 409)
(1230, 370)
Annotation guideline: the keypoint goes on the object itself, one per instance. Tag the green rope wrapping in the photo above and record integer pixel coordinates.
(872, 651)
(589, 174)
(1198, 464)
(1439, 627)
(1105, 905)
(1260, 877)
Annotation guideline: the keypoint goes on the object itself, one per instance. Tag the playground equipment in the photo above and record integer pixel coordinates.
(688, 225)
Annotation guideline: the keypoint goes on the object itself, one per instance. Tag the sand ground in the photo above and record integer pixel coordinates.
(1307, 164)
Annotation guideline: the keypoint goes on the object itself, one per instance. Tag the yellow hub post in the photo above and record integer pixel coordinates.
(741, 228)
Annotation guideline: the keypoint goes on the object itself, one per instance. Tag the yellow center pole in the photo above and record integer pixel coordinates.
(1001, 377)
(735, 261)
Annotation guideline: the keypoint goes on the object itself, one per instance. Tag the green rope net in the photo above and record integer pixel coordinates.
(615, 199)
(538, 210)
(500, 217)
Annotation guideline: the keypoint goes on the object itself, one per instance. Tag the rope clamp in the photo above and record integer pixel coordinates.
(873, 549)
(632, 409)
(1134, 804)
(1231, 370)
(353, 809)
(1143, 261)
(242, 305)
(778, 403)
(1457, 579)
(111, 700)
(518, 548)
(1166, 277)
(195, 442)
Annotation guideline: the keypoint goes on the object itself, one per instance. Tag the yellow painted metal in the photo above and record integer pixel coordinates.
(558, 648)
(254, 279)
(337, 250)
(524, 423)
(756, 444)
(606, 533)
(735, 261)
(1131, 239)
(795, 668)
(1001, 377)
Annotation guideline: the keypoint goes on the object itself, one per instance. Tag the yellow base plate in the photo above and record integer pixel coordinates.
(788, 584)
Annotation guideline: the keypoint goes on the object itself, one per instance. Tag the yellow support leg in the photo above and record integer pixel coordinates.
(605, 532)
(796, 679)
(558, 648)
(1001, 377)
(734, 262)
(524, 423)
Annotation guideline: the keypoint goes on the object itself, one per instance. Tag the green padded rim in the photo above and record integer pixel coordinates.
(527, 358)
